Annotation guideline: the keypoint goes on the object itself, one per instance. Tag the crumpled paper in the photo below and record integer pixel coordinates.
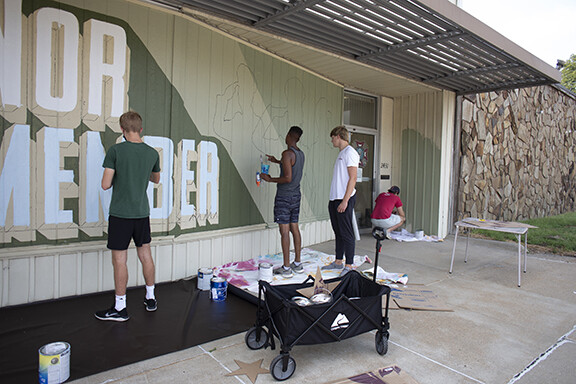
(382, 275)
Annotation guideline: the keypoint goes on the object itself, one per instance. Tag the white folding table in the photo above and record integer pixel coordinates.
(518, 229)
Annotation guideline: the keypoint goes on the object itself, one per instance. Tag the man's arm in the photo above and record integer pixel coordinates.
(286, 161)
(352, 173)
(107, 178)
(155, 177)
(401, 212)
(273, 159)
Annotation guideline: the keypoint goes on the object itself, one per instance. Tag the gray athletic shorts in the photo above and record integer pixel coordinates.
(287, 208)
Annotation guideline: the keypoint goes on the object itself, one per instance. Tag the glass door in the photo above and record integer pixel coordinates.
(364, 145)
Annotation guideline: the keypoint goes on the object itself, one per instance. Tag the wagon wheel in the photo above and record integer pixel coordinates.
(277, 370)
(382, 342)
(256, 338)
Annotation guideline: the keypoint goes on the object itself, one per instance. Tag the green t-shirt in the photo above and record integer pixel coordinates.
(132, 164)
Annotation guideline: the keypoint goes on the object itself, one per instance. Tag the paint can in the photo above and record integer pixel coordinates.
(54, 365)
(265, 272)
(218, 289)
(419, 234)
(204, 277)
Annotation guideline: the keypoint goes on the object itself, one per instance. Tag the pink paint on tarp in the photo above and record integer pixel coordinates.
(232, 278)
(223, 273)
(247, 265)
(239, 281)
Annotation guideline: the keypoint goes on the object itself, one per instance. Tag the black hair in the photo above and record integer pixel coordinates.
(296, 131)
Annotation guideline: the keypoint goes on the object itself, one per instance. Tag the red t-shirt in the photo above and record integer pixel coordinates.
(385, 204)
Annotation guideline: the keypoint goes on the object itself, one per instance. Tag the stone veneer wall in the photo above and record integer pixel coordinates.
(517, 154)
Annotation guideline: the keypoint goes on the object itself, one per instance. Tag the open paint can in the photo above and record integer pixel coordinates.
(204, 277)
(265, 272)
(54, 366)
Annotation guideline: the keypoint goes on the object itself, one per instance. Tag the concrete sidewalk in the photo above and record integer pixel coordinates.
(497, 333)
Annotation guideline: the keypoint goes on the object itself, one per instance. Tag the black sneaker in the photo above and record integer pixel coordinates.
(112, 314)
(150, 304)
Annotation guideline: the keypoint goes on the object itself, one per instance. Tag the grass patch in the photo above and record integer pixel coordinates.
(555, 234)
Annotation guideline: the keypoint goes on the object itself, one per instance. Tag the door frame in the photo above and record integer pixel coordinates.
(373, 132)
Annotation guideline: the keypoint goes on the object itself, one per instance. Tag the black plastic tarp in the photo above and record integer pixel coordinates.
(185, 317)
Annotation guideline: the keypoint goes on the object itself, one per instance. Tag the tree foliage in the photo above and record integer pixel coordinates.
(569, 73)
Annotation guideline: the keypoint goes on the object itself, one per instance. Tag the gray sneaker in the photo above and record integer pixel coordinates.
(332, 265)
(297, 268)
(345, 271)
(286, 273)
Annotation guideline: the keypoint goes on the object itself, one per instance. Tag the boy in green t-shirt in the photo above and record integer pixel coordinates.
(129, 166)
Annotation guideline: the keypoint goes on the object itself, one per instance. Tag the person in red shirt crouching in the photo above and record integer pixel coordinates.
(388, 213)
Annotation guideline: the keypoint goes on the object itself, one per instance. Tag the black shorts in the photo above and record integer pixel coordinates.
(121, 231)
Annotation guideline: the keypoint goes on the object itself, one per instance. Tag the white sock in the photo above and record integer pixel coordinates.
(120, 302)
(297, 263)
(150, 292)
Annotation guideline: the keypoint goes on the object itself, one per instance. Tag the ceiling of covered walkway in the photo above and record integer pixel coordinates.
(386, 47)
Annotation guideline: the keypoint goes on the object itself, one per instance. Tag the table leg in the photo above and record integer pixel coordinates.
(519, 258)
(454, 248)
(467, 238)
(525, 250)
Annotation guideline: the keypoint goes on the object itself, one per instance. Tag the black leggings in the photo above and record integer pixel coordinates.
(343, 229)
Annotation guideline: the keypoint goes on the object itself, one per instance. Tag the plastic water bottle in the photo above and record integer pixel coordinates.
(264, 165)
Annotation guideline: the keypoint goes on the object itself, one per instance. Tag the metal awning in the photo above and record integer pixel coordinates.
(425, 42)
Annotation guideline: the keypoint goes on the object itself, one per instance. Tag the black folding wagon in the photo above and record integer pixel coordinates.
(355, 308)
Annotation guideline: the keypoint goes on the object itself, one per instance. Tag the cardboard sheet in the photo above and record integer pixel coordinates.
(421, 298)
(388, 375)
(492, 224)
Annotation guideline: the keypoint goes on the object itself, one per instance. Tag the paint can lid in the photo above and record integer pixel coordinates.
(54, 348)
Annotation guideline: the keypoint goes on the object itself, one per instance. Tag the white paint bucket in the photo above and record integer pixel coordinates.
(204, 277)
(265, 272)
(419, 234)
(54, 365)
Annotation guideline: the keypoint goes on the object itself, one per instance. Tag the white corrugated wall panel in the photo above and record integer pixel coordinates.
(89, 272)
(205, 253)
(18, 281)
(193, 262)
(179, 262)
(107, 271)
(218, 257)
(55, 272)
(68, 270)
(44, 273)
(163, 260)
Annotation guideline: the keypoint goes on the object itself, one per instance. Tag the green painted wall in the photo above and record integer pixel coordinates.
(189, 83)
(418, 131)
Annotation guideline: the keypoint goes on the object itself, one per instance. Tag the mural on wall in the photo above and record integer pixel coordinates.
(67, 74)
